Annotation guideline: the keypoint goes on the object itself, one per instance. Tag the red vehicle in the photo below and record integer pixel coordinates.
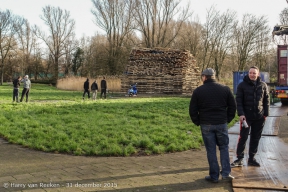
(282, 84)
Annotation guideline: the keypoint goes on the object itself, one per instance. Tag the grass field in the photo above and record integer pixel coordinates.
(61, 122)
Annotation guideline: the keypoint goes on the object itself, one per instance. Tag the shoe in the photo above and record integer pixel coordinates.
(253, 162)
(228, 178)
(237, 163)
(208, 178)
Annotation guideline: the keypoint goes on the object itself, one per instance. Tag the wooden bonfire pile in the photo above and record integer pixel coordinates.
(159, 70)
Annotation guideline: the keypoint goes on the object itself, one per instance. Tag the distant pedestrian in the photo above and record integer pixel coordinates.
(26, 88)
(103, 88)
(86, 89)
(212, 106)
(94, 88)
(16, 85)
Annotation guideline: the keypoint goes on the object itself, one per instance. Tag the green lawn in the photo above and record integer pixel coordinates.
(59, 121)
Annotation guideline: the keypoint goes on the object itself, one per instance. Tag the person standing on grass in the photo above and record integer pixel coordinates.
(16, 85)
(103, 87)
(253, 103)
(212, 106)
(94, 88)
(86, 89)
(26, 88)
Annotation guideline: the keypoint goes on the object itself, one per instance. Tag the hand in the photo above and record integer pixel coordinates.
(264, 117)
(242, 118)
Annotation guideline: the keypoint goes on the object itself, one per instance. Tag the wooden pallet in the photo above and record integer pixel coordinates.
(160, 70)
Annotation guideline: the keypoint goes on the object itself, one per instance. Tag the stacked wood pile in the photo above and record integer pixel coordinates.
(159, 70)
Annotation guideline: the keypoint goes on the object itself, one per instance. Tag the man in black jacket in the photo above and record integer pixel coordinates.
(103, 88)
(212, 106)
(252, 99)
(16, 84)
(86, 89)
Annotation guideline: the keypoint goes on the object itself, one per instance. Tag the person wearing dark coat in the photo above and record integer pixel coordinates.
(16, 85)
(253, 103)
(103, 88)
(213, 106)
(86, 89)
(94, 89)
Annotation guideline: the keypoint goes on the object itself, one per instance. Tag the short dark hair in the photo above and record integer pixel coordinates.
(254, 67)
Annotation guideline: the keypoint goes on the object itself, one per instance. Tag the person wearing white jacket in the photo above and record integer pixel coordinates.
(26, 87)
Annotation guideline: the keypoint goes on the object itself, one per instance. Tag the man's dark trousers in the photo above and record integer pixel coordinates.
(103, 91)
(256, 127)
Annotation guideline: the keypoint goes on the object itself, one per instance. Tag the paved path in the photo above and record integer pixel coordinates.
(272, 155)
(22, 169)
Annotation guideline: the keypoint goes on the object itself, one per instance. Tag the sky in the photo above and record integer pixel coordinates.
(80, 10)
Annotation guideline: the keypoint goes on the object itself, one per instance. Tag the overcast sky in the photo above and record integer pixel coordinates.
(80, 10)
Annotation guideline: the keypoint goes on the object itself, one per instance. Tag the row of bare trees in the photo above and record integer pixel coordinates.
(222, 42)
(21, 51)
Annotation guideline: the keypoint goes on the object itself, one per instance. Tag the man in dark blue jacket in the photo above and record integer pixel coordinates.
(252, 99)
(212, 106)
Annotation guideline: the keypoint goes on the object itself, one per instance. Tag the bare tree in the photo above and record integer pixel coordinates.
(115, 17)
(49, 64)
(61, 29)
(36, 65)
(7, 39)
(26, 42)
(246, 37)
(204, 58)
(156, 21)
(69, 47)
(92, 66)
(77, 61)
(222, 39)
(216, 39)
(261, 55)
(96, 56)
(189, 37)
